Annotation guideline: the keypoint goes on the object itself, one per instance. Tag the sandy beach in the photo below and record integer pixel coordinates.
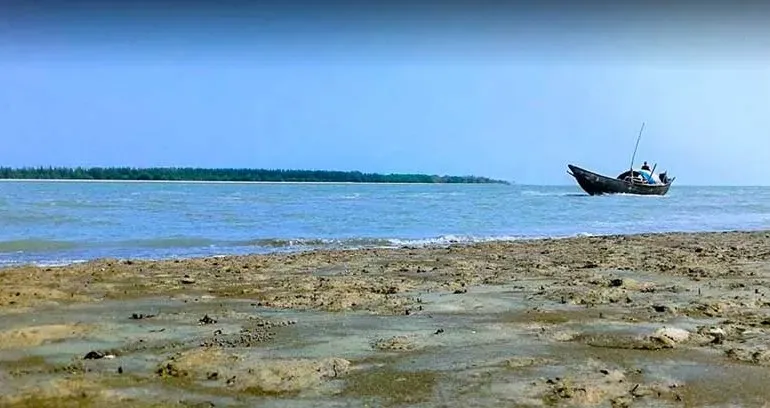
(623, 321)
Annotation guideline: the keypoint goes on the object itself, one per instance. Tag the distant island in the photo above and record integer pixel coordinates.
(253, 175)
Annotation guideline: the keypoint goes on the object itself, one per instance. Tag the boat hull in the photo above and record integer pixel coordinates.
(597, 184)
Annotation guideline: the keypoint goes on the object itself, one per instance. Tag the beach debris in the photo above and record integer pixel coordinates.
(560, 335)
(661, 308)
(206, 320)
(94, 355)
(717, 334)
(670, 336)
(268, 324)
(523, 361)
(140, 316)
(439, 331)
(395, 343)
(245, 338)
(97, 355)
(590, 265)
(648, 288)
(171, 369)
(187, 280)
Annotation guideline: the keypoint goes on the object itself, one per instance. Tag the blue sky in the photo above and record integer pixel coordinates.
(499, 104)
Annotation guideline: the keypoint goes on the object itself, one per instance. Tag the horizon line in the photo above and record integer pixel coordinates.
(511, 184)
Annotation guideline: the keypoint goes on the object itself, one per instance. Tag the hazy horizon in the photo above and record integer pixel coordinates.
(506, 92)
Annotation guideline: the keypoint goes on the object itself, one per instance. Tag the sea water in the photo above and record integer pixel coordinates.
(46, 222)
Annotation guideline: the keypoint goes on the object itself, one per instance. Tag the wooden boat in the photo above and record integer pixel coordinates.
(628, 182)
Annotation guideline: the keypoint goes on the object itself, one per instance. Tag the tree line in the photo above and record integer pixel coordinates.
(204, 174)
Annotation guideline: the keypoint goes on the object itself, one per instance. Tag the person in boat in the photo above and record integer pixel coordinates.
(646, 174)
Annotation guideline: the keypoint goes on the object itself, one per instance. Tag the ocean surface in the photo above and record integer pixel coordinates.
(51, 223)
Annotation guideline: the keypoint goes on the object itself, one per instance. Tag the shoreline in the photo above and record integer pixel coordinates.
(655, 319)
(428, 243)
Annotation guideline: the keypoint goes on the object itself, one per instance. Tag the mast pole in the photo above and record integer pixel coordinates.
(637, 146)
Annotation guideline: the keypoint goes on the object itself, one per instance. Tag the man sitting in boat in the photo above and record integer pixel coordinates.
(646, 174)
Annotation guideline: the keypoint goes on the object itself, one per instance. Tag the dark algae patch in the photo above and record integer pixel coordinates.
(389, 387)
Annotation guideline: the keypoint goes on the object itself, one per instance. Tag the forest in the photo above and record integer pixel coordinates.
(204, 174)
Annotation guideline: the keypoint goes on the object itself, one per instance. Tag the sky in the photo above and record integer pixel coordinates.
(503, 92)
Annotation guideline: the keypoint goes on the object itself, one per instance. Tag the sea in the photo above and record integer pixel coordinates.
(62, 222)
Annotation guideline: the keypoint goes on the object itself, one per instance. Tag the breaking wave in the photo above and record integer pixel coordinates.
(23, 245)
(50, 252)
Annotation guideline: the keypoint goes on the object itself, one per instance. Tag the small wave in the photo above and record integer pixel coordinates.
(34, 218)
(652, 196)
(60, 262)
(231, 197)
(74, 204)
(49, 263)
(352, 243)
(353, 196)
(536, 193)
(30, 245)
(314, 242)
(169, 242)
(181, 248)
(470, 239)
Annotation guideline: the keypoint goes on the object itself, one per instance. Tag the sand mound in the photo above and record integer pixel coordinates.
(214, 367)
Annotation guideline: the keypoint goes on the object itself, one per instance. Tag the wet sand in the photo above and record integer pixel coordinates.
(649, 320)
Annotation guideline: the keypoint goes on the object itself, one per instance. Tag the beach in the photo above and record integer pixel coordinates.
(670, 319)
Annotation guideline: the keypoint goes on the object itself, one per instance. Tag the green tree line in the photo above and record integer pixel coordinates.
(203, 174)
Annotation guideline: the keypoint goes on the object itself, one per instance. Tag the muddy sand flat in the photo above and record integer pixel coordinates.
(649, 321)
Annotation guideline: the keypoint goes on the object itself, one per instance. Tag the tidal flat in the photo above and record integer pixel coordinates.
(658, 320)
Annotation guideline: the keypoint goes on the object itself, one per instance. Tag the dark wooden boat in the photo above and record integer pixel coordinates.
(628, 182)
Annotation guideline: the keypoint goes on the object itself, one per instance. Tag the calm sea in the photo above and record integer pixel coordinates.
(63, 222)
